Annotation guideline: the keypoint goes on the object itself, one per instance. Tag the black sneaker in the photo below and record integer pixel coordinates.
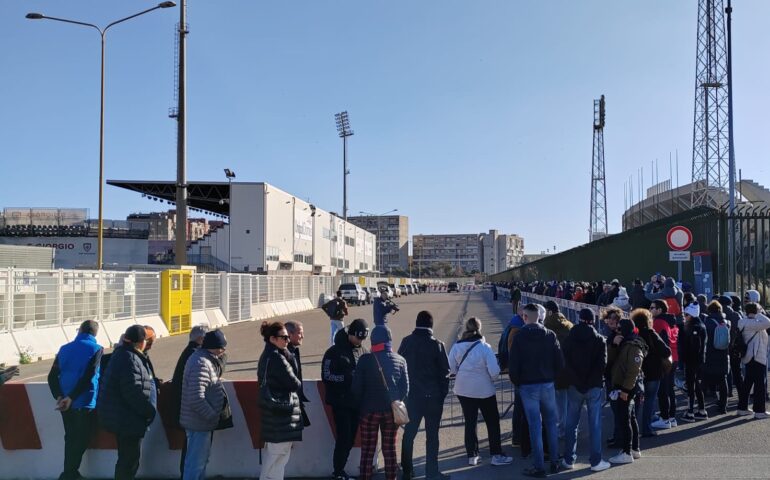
(555, 468)
(688, 417)
(533, 473)
(701, 415)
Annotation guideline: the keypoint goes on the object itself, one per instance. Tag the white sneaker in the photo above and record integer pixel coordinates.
(473, 461)
(601, 466)
(743, 413)
(567, 466)
(622, 458)
(761, 415)
(662, 424)
(637, 454)
(672, 422)
(498, 460)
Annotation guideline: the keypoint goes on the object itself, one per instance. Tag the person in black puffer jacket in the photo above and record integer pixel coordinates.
(124, 403)
(652, 367)
(692, 354)
(337, 369)
(375, 399)
(736, 375)
(717, 361)
(279, 428)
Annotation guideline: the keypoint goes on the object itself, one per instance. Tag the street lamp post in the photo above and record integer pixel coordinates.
(230, 175)
(102, 34)
(344, 131)
(379, 242)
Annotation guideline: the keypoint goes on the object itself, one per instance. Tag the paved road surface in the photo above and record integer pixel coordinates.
(719, 448)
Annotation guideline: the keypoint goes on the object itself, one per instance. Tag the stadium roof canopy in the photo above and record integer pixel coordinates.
(211, 197)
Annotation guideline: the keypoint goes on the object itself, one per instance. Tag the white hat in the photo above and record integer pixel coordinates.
(752, 296)
(692, 310)
(540, 313)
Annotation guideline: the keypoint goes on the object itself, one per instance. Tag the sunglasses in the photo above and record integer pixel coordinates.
(283, 337)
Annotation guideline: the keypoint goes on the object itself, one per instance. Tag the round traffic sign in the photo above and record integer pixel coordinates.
(679, 238)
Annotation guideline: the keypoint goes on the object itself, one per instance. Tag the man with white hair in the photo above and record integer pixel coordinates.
(197, 333)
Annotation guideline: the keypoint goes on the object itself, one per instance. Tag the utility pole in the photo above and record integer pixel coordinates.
(180, 253)
(344, 131)
(731, 153)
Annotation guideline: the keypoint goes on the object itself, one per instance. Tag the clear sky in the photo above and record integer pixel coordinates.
(468, 115)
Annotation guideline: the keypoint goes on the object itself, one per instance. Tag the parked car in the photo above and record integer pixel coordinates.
(353, 294)
(375, 292)
(452, 287)
(409, 289)
(382, 285)
(396, 291)
(403, 290)
(369, 296)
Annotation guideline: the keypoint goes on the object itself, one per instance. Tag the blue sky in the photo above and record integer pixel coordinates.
(467, 115)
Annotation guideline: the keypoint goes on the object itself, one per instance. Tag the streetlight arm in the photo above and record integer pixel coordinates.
(64, 20)
(132, 16)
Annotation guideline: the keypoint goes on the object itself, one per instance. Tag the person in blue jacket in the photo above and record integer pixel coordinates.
(74, 383)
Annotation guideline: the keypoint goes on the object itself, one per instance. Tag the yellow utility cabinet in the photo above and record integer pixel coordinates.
(176, 300)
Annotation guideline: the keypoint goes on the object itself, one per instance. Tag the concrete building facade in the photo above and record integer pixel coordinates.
(499, 252)
(467, 253)
(392, 232)
(162, 225)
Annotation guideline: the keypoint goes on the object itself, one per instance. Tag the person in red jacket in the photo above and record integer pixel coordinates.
(665, 326)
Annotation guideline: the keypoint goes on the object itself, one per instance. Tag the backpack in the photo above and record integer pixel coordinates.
(502, 348)
(721, 340)
(673, 306)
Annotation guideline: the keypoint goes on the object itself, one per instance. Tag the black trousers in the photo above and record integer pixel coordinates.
(129, 450)
(756, 375)
(629, 428)
(736, 376)
(345, 424)
(693, 375)
(488, 407)
(719, 384)
(667, 396)
(78, 429)
(431, 410)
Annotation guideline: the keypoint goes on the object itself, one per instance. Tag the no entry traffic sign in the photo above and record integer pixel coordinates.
(679, 238)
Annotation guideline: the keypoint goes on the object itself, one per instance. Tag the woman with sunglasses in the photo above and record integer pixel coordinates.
(280, 426)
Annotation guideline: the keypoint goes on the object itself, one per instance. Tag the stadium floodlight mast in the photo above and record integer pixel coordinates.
(344, 131)
(230, 175)
(102, 33)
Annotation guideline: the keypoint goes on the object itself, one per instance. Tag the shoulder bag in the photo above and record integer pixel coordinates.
(466, 354)
(400, 415)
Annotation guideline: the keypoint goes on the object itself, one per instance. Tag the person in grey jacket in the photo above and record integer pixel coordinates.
(203, 402)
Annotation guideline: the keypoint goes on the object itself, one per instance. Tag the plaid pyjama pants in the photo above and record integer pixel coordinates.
(368, 426)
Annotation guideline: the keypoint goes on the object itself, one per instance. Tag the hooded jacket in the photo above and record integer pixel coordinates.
(665, 326)
(476, 376)
(657, 350)
(669, 290)
(627, 363)
(621, 300)
(692, 343)
(337, 369)
(585, 357)
(368, 386)
(638, 298)
(535, 356)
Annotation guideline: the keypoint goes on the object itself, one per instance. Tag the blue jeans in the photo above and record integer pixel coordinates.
(561, 410)
(648, 406)
(593, 400)
(539, 402)
(335, 326)
(197, 457)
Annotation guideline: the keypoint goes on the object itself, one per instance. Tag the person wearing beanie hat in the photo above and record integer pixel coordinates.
(626, 368)
(124, 403)
(205, 407)
(337, 368)
(175, 404)
(558, 323)
(426, 359)
(380, 378)
(692, 353)
(585, 358)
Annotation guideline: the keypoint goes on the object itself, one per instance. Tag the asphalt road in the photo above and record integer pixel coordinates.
(719, 448)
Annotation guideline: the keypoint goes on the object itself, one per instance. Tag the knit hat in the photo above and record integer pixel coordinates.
(381, 334)
(135, 334)
(692, 310)
(551, 306)
(587, 315)
(358, 328)
(626, 327)
(198, 331)
(214, 339)
(752, 296)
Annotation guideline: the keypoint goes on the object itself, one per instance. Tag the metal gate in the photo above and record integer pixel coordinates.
(752, 248)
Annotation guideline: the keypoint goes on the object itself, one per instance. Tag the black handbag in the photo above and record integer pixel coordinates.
(270, 402)
(226, 415)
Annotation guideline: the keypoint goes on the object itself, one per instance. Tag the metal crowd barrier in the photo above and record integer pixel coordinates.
(453, 414)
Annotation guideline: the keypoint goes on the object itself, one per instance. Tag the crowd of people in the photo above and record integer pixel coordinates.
(634, 357)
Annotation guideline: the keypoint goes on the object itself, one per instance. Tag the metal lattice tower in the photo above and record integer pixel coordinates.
(598, 182)
(710, 160)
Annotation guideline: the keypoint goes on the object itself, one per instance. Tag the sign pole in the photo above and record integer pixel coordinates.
(679, 271)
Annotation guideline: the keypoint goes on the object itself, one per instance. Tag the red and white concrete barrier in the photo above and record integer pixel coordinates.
(32, 438)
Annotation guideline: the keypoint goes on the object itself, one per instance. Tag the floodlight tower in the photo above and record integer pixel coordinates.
(598, 227)
(710, 152)
(344, 131)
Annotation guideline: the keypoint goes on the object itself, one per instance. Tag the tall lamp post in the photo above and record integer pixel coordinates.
(379, 244)
(102, 33)
(344, 131)
(230, 175)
